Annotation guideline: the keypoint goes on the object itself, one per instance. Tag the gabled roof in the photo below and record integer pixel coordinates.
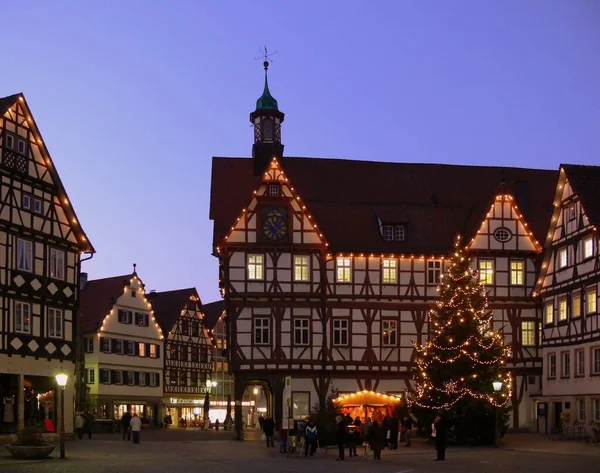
(585, 181)
(212, 312)
(7, 102)
(97, 299)
(168, 305)
(348, 199)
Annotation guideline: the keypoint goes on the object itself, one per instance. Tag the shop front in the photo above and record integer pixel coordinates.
(113, 408)
(189, 412)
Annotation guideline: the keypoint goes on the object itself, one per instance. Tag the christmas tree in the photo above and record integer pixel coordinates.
(464, 357)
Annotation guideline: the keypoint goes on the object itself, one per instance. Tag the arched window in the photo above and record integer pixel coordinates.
(268, 131)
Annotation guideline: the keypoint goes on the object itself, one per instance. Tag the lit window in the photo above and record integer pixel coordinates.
(486, 272)
(576, 305)
(516, 273)
(562, 257)
(24, 255)
(562, 310)
(549, 311)
(22, 317)
(255, 267)
(57, 264)
(301, 331)
(528, 333)
(55, 323)
(389, 335)
(566, 364)
(141, 349)
(588, 247)
(340, 332)
(591, 301)
(389, 271)
(344, 266)
(580, 363)
(274, 190)
(153, 352)
(262, 331)
(388, 232)
(399, 232)
(434, 271)
(552, 365)
(301, 268)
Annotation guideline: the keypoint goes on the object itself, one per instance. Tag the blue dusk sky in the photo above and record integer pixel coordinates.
(133, 98)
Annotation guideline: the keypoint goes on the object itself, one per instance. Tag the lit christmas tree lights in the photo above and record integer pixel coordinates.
(464, 356)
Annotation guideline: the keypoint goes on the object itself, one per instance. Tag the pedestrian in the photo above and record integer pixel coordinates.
(79, 423)
(407, 424)
(439, 432)
(269, 430)
(217, 425)
(342, 435)
(376, 438)
(87, 424)
(394, 425)
(261, 420)
(126, 425)
(136, 427)
(312, 435)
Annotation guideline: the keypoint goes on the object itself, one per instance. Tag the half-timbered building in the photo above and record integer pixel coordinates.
(568, 286)
(41, 249)
(123, 346)
(188, 350)
(329, 266)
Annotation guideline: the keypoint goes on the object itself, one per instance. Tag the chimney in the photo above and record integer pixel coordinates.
(83, 280)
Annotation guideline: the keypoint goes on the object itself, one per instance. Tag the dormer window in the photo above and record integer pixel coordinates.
(399, 232)
(274, 190)
(393, 232)
(388, 232)
(268, 130)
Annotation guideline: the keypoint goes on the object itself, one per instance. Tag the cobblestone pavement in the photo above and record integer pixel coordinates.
(225, 456)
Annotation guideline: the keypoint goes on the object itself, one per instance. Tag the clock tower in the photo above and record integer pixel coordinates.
(267, 120)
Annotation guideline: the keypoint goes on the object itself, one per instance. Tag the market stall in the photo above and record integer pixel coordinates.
(367, 404)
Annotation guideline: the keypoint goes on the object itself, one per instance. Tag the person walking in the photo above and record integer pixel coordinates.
(342, 435)
(407, 423)
(79, 422)
(311, 438)
(440, 433)
(87, 424)
(394, 426)
(269, 430)
(136, 428)
(126, 426)
(376, 438)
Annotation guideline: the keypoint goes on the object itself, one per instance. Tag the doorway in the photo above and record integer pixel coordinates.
(557, 416)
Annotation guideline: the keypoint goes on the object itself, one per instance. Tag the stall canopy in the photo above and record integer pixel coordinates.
(366, 399)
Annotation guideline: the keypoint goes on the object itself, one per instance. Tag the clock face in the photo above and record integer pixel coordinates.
(275, 224)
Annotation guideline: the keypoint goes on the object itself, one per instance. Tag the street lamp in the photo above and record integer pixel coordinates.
(61, 380)
(497, 388)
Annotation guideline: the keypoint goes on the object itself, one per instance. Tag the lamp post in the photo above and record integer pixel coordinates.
(61, 380)
(497, 388)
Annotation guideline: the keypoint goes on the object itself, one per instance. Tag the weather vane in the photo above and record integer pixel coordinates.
(265, 55)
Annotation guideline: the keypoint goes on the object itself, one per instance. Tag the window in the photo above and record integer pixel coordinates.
(182, 378)
(203, 354)
(300, 405)
(133, 293)
(183, 353)
(255, 267)
(340, 332)
(24, 255)
(562, 257)
(588, 247)
(173, 351)
(105, 345)
(516, 273)
(596, 405)
(552, 365)
(399, 232)
(141, 349)
(502, 234)
(194, 378)
(576, 305)
(273, 190)
(301, 331)
(549, 313)
(153, 351)
(595, 360)
(9, 141)
(579, 363)
(38, 207)
(301, 268)
(55, 323)
(105, 376)
(581, 410)
(434, 271)
(91, 376)
(566, 364)
(562, 310)
(194, 355)
(591, 301)
(131, 378)
(267, 126)
(130, 348)
(343, 269)
(118, 347)
(195, 328)
(572, 212)
(388, 232)
(486, 272)
(22, 317)
(26, 201)
(389, 271)
(57, 264)
(389, 333)
(124, 316)
(21, 146)
(89, 345)
(154, 380)
(142, 378)
(173, 377)
(118, 377)
(528, 333)
(185, 327)
(262, 329)
(141, 319)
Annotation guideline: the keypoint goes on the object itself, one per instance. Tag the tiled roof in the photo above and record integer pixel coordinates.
(168, 305)
(346, 199)
(212, 312)
(97, 299)
(585, 181)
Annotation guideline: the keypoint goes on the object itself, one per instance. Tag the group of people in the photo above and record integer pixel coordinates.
(132, 426)
(83, 424)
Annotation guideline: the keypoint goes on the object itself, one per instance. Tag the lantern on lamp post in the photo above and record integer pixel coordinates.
(61, 380)
(497, 385)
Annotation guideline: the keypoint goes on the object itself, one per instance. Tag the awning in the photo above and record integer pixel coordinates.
(366, 398)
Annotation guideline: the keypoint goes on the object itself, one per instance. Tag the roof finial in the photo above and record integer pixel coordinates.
(266, 101)
(134, 266)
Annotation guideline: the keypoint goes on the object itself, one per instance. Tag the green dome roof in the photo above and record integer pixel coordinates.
(266, 100)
